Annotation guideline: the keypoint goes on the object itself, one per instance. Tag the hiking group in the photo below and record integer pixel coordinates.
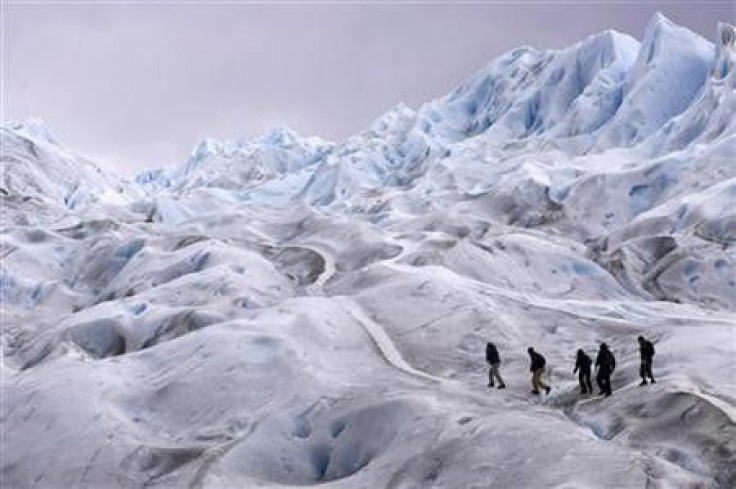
(605, 364)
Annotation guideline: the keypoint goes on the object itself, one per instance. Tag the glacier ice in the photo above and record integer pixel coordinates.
(281, 310)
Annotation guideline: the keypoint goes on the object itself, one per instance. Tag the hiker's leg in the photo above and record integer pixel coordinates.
(540, 382)
(535, 380)
(649, 370)
(496, 373)
(600, 380)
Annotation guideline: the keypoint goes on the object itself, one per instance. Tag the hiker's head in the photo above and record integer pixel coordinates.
(641, 339)
(530, 350)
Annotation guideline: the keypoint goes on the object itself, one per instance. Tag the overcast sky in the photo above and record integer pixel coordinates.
(137, 85)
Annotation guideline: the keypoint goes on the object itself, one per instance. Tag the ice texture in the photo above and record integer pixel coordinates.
(282, 311)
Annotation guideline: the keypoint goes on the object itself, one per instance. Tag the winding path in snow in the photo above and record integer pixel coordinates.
(377, 333)
(382, 340)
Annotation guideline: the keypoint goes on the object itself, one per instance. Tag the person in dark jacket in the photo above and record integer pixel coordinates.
(606, 364)
(583, 363)
(646, 350)
(494, 360)
(537, 369)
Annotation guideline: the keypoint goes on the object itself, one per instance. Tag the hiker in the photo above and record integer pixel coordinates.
(583, 363)
(537, 369)
(646, 350)
(606, 364)
(494, 360)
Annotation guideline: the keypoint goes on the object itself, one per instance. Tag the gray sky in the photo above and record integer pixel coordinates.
(136, 85)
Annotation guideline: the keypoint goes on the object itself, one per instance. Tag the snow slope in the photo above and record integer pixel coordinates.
(35, 166)
(283, 311)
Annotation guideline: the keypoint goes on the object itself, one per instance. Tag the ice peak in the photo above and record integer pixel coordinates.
(280, 136)
(33, 128)
(402, 108)
(604, 48)
(725, 51)
(727, 35)
(659, 19)
(206, 148)
(667, 44)
(610, 38)
(662, 35)
(399, 116)
(619, 43)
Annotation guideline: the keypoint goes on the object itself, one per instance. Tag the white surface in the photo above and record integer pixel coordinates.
(286, 311)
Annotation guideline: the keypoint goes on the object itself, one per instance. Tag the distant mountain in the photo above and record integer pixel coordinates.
(36, 166)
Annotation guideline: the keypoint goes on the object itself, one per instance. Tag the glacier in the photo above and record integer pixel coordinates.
(282, 311)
